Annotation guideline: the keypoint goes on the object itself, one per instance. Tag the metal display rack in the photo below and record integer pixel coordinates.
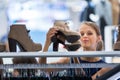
(58, 54)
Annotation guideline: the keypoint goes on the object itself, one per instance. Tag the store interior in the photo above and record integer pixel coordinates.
(39, 16)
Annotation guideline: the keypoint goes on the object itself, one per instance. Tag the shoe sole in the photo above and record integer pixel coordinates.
(69, 38)
(73, 47)
(72, 38)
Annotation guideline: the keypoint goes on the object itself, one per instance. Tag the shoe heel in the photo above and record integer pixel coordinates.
(55, 46)
(21, 47)
(12, 45)
(54, 38)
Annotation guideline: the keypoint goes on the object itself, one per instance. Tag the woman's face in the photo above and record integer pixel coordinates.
(88, 38)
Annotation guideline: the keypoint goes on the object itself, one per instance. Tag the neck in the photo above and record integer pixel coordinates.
(89, 49)
(90, 59)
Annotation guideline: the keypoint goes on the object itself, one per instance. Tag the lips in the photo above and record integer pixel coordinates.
(85, 40)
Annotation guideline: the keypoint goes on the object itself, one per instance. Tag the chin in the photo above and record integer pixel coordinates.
(86, 46)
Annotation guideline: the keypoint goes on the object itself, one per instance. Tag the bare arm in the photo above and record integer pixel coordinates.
(63, 60)
(100, 72)
(50, 33)
(42, 60)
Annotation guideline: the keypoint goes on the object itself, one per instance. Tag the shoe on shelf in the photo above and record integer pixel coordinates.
(2, 47)
(117, 46)
(18, 35)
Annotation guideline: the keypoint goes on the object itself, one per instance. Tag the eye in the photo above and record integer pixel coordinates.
(82, 34)
(89, 33)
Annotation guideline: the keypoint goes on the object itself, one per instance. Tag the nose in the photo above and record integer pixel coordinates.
(85, 34)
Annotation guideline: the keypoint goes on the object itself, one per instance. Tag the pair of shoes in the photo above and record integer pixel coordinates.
(18, 35)
(65, 34)
(2, 47)
(116, 46)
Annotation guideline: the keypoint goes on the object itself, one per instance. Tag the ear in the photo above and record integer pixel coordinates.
(99, 38)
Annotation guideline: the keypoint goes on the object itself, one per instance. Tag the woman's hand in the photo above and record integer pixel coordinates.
(52, 31)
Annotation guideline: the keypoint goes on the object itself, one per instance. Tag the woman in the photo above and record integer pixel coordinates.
(90, 37)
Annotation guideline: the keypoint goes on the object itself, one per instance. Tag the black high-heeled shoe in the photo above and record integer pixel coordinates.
(18, 35)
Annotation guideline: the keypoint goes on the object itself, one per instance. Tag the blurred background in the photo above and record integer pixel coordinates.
(39, 16)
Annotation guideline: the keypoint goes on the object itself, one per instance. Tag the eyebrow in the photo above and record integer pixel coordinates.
(87, 31)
